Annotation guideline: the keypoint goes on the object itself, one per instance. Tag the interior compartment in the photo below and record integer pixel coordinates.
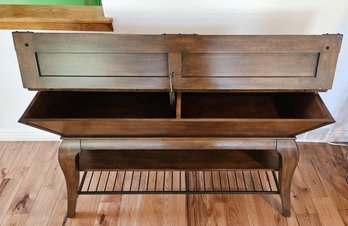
(111, 114)
(101, 105)
(253, 105)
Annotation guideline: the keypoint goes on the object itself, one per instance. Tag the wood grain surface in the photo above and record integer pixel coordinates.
(54, 17)
(32, 192)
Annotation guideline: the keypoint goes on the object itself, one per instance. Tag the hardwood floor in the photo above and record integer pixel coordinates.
(32, 192)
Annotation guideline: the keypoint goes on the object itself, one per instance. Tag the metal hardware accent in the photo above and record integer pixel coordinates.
(179, 182)
(171, 90)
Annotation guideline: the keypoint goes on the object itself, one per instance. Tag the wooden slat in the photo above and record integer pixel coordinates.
(58, 215)
(302, 202)
(88, 206)
(170, 181)
(260, 212)
(14, 174)
(275, 201)
(8, 190)
(329, 214)
(236, 207)
(25, 196)
(23, 160)
(109, 210)
(47, 197)
(208, 210)
(329, 162)
(8, 158)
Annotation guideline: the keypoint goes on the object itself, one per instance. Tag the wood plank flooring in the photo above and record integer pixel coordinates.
(32, 192)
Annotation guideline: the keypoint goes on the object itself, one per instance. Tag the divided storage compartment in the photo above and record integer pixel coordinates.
(98, 105)
(253, 106)
(74, 114)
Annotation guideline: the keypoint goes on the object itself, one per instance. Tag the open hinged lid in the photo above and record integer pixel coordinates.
(81, 61)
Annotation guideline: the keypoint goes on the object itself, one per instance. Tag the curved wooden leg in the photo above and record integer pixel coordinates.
(68, 152)
(288, 162)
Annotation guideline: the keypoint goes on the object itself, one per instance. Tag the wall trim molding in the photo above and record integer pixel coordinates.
(326, 135)
(26, 135)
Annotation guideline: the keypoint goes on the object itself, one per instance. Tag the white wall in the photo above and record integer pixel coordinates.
(202, 17)
(13, 98)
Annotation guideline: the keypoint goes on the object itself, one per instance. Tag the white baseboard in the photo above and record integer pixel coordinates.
(338, 136)
(312, 140)
(26, 135)
(324, 136)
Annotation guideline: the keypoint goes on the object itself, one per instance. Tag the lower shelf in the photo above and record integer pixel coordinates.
(179, 182)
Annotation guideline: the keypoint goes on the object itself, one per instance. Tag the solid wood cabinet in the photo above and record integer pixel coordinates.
(185, 104)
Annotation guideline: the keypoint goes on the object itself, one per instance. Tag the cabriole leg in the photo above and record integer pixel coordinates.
(67, 156)
(288, 161)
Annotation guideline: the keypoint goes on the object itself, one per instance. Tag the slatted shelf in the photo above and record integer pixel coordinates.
(179, 182)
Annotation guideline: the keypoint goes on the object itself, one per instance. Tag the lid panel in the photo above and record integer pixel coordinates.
(68, 61)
